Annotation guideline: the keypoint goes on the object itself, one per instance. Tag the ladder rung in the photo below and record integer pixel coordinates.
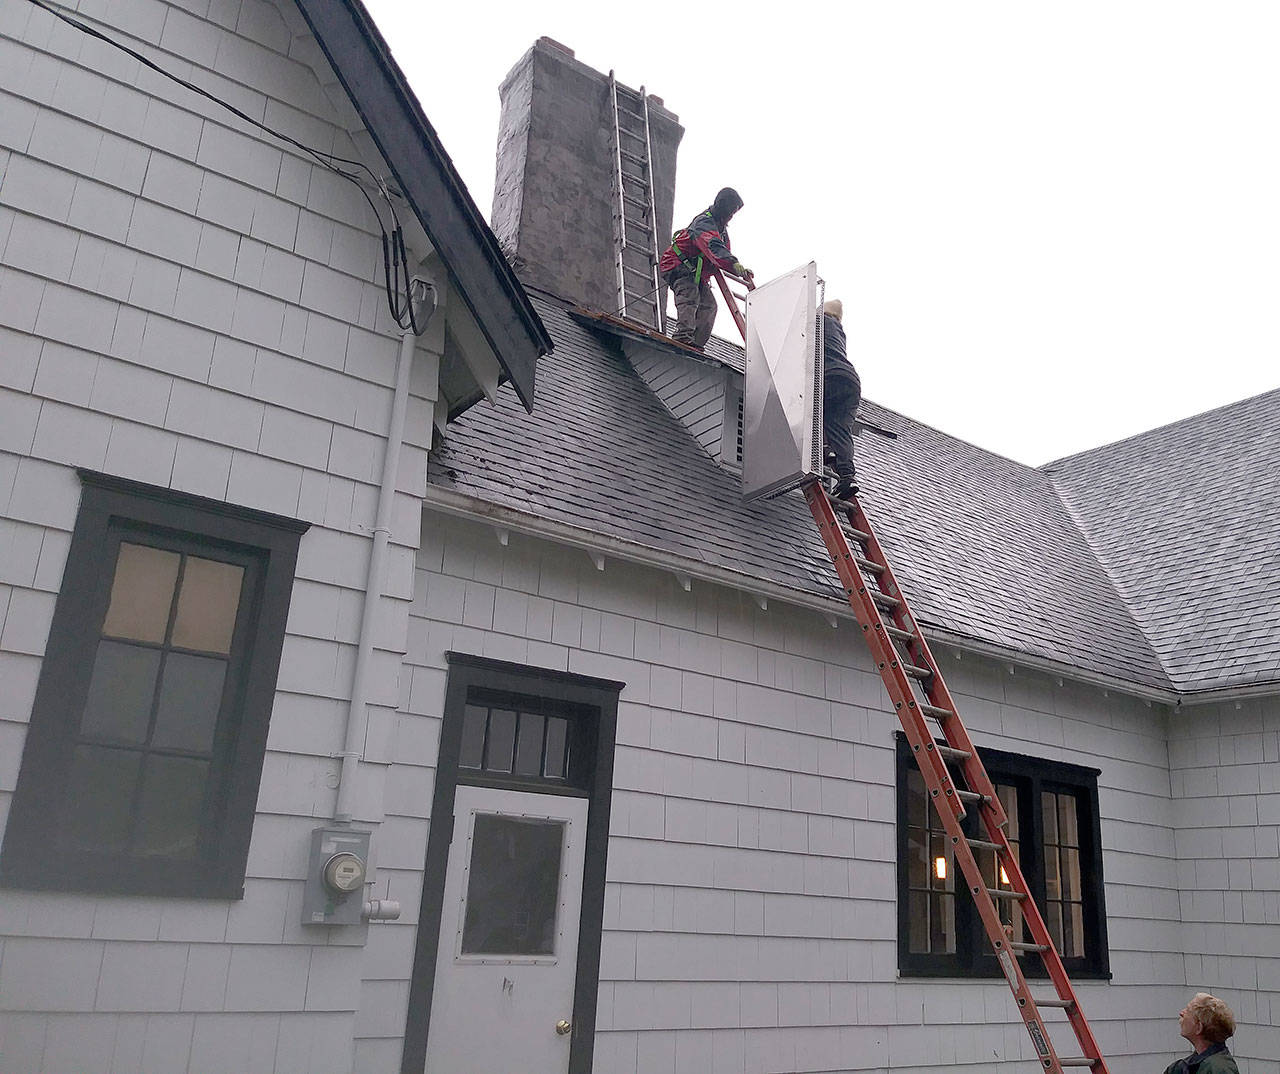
(628, 112)
(841, 507)
(637, 272)
(635, 158)
(636, 201)
(905, 656)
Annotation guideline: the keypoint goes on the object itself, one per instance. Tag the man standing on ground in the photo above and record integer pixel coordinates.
(685, 271)
(841, 394)
(1206, 1023)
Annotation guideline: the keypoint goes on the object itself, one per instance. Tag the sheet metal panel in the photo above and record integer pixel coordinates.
(782, 395)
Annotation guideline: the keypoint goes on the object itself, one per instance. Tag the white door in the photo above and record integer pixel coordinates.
(503, 996)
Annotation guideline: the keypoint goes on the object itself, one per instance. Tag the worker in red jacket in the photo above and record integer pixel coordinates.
(685, 270)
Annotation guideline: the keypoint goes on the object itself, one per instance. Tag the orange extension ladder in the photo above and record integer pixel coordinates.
(925, 709)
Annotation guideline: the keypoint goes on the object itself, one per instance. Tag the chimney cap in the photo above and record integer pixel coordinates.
(551, 42)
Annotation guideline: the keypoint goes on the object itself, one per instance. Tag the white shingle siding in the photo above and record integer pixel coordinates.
(184, 301)
(695, 393)
(1224, 770)
(751, 879)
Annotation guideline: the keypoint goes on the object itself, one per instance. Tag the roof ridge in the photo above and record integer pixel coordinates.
(1156, 430)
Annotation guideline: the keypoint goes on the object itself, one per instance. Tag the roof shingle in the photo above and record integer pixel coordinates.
(1183, 518)
(983, 546)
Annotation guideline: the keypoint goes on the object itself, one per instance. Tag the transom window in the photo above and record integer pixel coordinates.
(1054, 831)
(147, 734)
(515, 741)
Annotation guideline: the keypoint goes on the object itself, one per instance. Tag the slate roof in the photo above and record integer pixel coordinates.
(1184, 519)
(982, 545)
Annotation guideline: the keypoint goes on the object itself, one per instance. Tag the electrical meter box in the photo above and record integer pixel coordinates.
(782, 389)
(334, 894)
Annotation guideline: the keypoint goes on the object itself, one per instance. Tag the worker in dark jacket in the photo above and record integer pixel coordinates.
(684, 268)
(1206, 1023)
(841, 394)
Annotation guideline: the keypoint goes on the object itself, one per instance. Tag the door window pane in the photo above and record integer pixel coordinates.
(121, 690)
(513, 886)
(103, 782)
(190, 697)
(170, 807)
(556, 764)
(207, 605)
(529, 744)
(471, 754)
(142, 593)
(502, 740)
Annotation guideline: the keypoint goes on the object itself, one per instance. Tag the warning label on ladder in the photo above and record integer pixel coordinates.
(1037, 1038)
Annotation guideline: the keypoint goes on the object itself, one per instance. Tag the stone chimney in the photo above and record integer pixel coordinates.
(554, 201)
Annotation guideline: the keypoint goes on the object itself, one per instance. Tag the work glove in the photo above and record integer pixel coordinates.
(739, 269)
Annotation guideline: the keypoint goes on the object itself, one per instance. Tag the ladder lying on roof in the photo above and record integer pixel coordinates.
(925, 709)
(635, 237)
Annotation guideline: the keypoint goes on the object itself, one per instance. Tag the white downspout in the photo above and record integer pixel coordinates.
(358, 713)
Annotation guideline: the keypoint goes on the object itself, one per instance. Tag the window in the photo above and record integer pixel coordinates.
(1054, 832)
(140, 772)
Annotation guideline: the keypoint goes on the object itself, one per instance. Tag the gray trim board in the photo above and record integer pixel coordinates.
(423, 171)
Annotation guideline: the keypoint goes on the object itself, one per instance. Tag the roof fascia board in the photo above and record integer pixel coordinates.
(461, 505)
(423, 171)
(1228, 693)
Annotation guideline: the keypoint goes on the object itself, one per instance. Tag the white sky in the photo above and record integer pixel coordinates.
(1052, 225)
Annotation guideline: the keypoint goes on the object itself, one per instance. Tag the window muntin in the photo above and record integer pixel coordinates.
(142, 760)
(1063, 888)
(521, 740)
(1054, 830)
(931, 876)
(162, 670)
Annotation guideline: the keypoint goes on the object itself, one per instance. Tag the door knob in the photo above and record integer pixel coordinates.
(563, 1027)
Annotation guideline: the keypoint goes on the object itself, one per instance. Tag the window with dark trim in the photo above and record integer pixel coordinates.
(1055, 832)
(141, 767)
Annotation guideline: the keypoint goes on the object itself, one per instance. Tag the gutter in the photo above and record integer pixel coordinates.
(461, 505)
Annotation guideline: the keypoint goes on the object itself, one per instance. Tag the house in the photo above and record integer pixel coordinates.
(616, 749)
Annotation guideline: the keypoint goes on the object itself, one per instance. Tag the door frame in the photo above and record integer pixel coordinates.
(600, 697)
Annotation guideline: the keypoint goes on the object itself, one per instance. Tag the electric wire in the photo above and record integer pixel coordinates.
(395, 259)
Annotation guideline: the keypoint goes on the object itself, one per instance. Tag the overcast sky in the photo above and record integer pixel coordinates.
(1053, 225)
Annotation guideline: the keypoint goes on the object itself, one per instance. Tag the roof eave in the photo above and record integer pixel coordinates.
(424, 173)
(462, 505)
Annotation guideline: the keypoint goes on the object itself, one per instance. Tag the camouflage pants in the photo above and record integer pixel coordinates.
(695, 309)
